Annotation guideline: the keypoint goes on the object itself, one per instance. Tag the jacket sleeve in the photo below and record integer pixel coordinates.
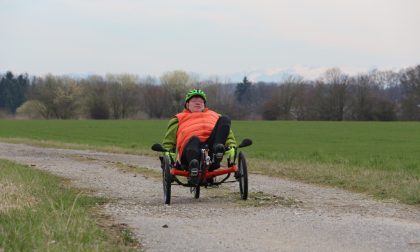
(169, 141)
(230, 141)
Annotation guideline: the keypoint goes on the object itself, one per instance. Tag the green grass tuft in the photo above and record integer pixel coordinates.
(61, 219)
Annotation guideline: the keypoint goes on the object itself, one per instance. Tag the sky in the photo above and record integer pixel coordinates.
(207, 37)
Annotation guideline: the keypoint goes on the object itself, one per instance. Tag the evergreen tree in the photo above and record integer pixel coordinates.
(242, 89)
(12, 91)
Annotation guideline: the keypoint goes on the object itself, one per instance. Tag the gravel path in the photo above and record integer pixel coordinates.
(315, 219)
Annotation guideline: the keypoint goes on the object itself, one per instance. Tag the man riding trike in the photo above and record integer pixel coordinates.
(200, 145)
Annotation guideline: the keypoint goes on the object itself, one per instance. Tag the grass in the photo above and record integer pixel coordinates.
(379, 158)
(128, 135)
(382, 184)
(50, 216)
(379, 145)
(390, 145)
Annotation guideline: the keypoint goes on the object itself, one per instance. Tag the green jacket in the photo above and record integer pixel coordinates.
(169, 141)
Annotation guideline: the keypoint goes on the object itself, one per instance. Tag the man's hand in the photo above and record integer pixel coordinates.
(230, 154)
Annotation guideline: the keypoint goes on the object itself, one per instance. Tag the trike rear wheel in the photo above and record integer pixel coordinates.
(197, 192)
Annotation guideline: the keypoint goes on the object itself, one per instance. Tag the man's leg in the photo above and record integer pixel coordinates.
(218, 138)
(191, 152)
(220, 132)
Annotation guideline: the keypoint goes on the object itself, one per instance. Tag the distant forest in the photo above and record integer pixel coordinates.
(372, 96)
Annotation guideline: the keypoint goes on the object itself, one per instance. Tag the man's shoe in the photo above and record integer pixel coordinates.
(193, 168)
(218, 151)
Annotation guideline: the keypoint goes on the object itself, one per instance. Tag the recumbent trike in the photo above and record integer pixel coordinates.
(205, 177)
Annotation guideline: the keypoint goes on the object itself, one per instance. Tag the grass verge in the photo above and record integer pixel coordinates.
(63, 145)
(397, 184)
(51, 216)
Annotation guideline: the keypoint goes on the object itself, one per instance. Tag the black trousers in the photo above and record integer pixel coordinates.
(192, 149)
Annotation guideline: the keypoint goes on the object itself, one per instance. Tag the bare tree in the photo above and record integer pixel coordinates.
(123, 95)
(282, 104)
(32, 109)
(303, 102)
(410, 82)
(58, 94)
(176, 83)
(95, 98)
(221, 98)
(335, 94)
(361, 98)
(157, 100)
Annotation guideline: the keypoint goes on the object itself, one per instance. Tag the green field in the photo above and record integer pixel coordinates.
(347, 152)
(373, 144)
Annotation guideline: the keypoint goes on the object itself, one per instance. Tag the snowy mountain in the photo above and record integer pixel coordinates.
(275, 74)
(306, 72)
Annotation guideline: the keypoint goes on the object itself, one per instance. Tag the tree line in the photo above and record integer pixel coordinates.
(372, 96)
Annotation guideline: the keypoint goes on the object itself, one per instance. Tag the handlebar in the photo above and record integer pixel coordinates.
(246, 142)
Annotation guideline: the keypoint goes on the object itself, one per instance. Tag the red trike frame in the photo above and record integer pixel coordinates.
(207, 174)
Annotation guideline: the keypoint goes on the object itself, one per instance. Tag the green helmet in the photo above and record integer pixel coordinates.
(195, 92)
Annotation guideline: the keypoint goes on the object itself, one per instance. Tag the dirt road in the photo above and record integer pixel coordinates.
(290, 216)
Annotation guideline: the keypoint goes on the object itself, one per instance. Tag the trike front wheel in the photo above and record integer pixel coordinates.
(243, 176)
(167, 180)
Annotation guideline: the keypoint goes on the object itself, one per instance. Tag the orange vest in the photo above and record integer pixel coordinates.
(199, 124)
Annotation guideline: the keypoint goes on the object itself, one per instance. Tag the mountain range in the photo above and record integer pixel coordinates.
(308, 73)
